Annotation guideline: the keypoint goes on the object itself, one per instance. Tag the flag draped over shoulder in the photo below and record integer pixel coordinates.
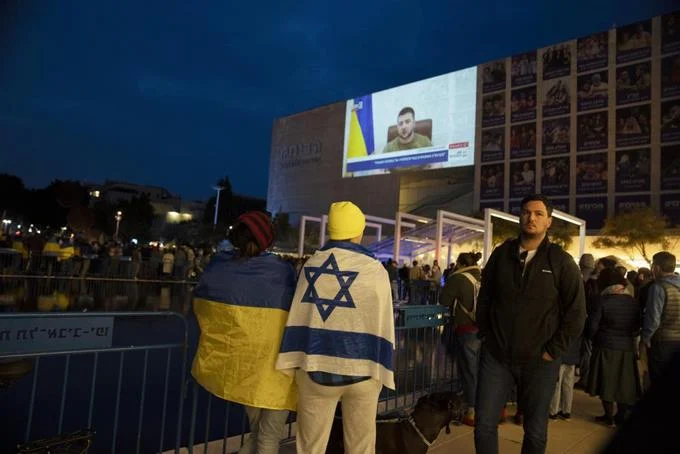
(361, 140)
(341, 320)
(242, 307)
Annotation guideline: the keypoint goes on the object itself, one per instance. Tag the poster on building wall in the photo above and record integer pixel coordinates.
(523, 141)
(633, 126)
(670, 167)
(493, 144)
(555, 176)
(633, 168)
(523, 104)
(556, 61)
(591, 133)
(556, 97)
(633, 83)
(634, 42)
(515, 206)
(670, 76)
(556, 136)
(523, 70)
(670, 121)
(593, 91)
(670, 207)
(593, 210)
(591, 173)
(493, 76)
(522, 178)
(593, 52)
(493, 110)
(670, 33)
(496, 205)
(625, 203)
(491, 179)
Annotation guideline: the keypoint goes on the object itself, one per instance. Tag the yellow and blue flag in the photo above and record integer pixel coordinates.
(242, 307)
(361, 140)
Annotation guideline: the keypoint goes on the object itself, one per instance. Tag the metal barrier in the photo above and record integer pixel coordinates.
(14, 263)
(94, 371)
(422, 364)
(45, 294)
(133, 366)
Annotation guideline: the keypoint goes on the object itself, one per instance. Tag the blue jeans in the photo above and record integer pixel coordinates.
(536, 385)
(467, 358)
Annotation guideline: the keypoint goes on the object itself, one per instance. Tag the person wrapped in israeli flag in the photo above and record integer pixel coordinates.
(339, 337)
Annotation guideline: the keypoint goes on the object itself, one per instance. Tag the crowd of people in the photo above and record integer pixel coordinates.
(72, 256)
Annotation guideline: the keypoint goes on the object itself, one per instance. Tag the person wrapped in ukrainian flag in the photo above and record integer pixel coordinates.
(241, 304)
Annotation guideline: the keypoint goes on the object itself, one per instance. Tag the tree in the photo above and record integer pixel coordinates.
(634, 230)
(13, 195)
(562, 232)
(225, 202)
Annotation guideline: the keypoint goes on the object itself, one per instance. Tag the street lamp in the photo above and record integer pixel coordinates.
(219, 189)
(6, 223)
(118, 218)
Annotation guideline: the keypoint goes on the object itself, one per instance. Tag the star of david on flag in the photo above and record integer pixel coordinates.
(343, 298)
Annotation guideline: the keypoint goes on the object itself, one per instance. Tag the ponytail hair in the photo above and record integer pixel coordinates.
(468, 258)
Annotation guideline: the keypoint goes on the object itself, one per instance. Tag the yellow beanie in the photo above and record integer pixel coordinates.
(345, 221)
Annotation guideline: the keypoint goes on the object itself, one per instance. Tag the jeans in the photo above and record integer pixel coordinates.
(467, 357)
(266, 430)
(660, 356)
(536, 385)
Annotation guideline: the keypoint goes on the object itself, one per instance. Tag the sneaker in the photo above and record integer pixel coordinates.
(565, 416)
(554, 417)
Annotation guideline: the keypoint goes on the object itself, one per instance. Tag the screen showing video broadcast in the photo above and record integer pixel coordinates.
(424, 125)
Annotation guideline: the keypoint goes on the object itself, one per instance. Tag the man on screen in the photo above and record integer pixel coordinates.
(407, 137)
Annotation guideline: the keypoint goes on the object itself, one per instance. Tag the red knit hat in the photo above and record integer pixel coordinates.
(260, 225)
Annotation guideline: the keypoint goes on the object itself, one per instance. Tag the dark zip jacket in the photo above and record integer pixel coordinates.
(520, 317)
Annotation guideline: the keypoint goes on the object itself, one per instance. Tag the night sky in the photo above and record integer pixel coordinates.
(179, 93)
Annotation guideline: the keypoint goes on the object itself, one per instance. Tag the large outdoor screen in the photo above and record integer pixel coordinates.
(428, 124)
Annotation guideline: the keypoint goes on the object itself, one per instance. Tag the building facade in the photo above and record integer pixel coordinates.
(594, 123)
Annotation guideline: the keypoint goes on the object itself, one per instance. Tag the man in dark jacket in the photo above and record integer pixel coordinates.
(531, 306)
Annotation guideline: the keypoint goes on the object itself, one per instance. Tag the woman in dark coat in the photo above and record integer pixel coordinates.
(613, 325)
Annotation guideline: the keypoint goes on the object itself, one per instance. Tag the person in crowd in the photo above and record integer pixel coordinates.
(460, 292)
(531, 308)
(661, 329)
(587, 265)
(339, 338)
(564, 390)
(393, 274)
(592, 295)
(613, 325)
(241, 304)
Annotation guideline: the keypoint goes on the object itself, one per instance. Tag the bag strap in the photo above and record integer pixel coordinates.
(475, 285)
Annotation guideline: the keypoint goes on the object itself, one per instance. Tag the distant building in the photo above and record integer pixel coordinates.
(168, 208)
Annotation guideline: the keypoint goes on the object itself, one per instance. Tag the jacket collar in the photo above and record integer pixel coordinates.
(516, 243)
(348, 246)
(468, 269)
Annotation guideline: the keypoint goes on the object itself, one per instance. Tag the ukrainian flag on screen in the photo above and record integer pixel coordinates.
(361, 141)
(242, 308)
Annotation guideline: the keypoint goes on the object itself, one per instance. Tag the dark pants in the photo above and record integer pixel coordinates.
(586, 354)
(536, 385)
(660, 356)
(467, 357)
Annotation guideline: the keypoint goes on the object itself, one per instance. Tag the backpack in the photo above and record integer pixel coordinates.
(475, 292)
